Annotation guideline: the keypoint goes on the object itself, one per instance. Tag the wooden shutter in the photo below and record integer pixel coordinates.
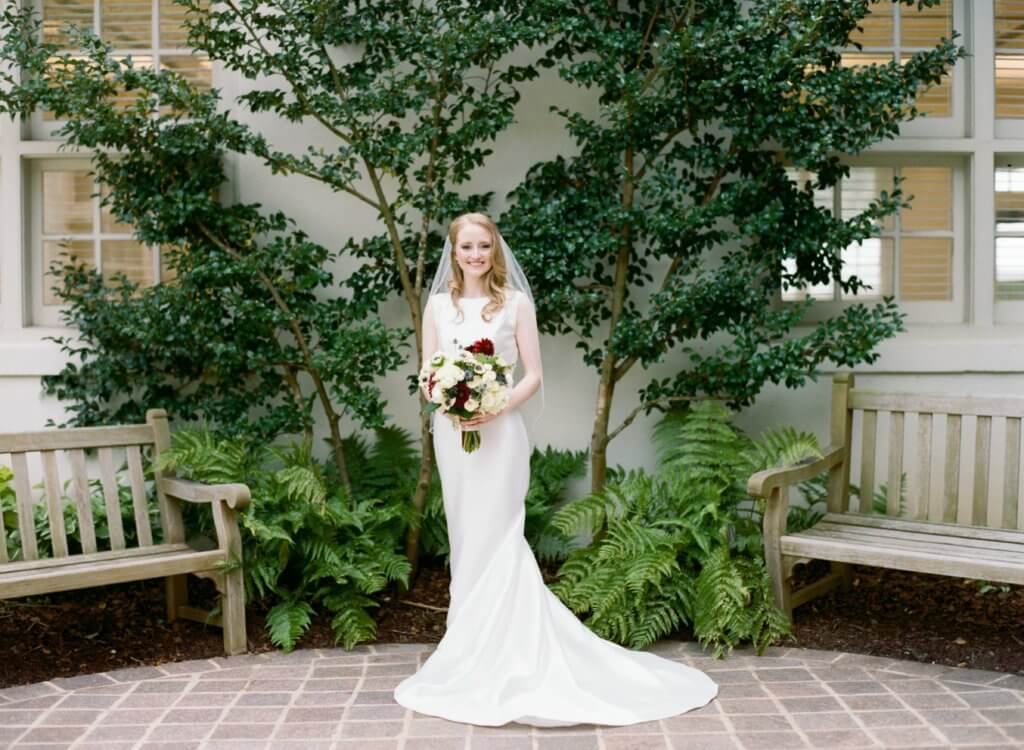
(130, 257)
(1009, 62)
(877, 27)
(127, 24)
(67, 205)
(63, 252)
(925, 27)
(56, 13)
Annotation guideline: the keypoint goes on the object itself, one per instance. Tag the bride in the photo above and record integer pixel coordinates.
(512, 651)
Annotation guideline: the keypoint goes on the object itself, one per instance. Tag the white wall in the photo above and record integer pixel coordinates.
(981, 356)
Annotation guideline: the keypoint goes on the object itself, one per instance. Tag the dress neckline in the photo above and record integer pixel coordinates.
(473, 298)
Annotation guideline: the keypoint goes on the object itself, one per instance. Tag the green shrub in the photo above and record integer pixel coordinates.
(679, 547)
(306, 543)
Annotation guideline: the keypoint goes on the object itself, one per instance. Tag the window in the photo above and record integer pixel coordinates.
(70, 225)
(1009, 233)
(913, 256)
(1009, 58)
(896, 31)
(152, 32)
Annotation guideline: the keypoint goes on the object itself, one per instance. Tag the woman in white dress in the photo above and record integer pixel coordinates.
(512, 651)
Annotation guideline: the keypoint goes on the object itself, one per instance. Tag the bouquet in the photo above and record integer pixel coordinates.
(474, 381)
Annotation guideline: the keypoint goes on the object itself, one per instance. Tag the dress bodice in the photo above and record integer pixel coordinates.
(455, 330)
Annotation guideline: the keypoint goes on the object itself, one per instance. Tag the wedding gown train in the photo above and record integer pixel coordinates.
(512, 650)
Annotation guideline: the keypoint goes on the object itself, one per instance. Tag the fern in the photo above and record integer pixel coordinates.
(679, 546)
(287, 621)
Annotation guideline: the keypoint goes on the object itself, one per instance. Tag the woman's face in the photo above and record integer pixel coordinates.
(473, 251)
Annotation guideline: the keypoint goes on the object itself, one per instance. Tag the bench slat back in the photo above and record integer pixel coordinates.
(958, 457)
(55, 494)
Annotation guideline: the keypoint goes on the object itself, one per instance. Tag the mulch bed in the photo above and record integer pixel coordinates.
(887, 613)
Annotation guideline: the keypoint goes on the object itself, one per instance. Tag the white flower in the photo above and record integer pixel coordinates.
(437, 396)
(437, 359)
(490, 376)
(448, 375)
(472, 404)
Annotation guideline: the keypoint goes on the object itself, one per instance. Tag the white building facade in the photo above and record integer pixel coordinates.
(955, 261)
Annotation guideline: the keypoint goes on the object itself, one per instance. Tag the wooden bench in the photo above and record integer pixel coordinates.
(964, 506)
(171, 558)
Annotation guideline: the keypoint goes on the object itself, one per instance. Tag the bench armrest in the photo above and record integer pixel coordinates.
(762, 483)
(236, 496)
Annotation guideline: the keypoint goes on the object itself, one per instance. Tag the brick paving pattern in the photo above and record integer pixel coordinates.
(327, 698)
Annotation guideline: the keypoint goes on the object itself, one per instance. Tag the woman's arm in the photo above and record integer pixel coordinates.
(528, 341)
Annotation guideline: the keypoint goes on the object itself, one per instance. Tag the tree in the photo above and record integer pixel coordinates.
(702, 105)
(409, 92)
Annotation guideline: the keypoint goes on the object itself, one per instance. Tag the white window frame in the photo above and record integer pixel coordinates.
(42, 129)
(953, 310)
(49, 315)
(927, 125)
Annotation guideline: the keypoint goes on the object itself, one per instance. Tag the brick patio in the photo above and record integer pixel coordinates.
(788, 698)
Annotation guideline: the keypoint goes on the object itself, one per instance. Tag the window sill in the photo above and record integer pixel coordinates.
(947, 348)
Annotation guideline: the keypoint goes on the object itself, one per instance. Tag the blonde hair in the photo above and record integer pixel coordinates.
(497, 275)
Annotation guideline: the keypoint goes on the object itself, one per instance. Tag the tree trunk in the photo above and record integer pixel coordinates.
(606, 385)
(419, 499)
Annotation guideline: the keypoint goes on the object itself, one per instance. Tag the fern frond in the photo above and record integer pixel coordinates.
(287, 621)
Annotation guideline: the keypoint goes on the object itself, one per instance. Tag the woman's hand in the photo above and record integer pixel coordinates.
(478, 420)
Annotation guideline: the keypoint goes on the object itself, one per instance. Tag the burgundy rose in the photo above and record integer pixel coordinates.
(462, 394)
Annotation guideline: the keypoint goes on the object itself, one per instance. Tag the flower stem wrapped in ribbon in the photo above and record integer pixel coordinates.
(474, 381)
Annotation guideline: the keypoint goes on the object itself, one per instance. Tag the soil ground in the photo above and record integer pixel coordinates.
(887, 613)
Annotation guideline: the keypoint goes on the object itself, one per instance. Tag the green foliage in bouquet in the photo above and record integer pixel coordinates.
(306, 542)
(677, 546)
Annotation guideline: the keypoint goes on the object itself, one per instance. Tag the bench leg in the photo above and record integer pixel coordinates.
(781, 585)
(845, 572)
(233, 613)
(177, 595)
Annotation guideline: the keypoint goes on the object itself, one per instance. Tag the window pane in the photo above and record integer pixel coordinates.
(925, 27)
(1009, 22)
(932, 204)
(1009, 199)
(58, 12)
(67, 206)
(108, 224)
(194, 68)
(166, 272)
(173, 32)
(936, 99)
(1010, 268)
(1009, 85)
(877, 26)
(871, 262)
(817, 291)
(126, 99)
(130, 257)
(823, 197)
(863, 186)
(127, 23)
(926, 268)
(63, 252)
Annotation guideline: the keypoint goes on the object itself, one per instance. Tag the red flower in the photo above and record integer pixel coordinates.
(482, 346)
(462, 393)
(430, 385)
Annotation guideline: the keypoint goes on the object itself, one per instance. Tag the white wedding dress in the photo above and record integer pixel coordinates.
(512, 650)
